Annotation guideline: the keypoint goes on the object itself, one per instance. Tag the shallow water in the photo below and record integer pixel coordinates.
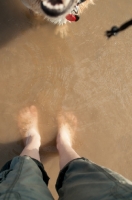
(85, 73)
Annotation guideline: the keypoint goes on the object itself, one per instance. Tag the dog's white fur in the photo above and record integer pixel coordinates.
(35, 6)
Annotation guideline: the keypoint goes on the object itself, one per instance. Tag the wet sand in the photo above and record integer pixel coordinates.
(85, 73)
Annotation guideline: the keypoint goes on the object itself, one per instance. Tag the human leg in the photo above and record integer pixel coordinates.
(24, 176)
(28, 126)
(65, 138)
(80, 178)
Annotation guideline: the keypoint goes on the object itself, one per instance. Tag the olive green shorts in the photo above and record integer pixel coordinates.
(25, 178)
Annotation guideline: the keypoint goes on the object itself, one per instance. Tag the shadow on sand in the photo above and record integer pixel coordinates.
(14, 20)
(9, 150)
(114, 30)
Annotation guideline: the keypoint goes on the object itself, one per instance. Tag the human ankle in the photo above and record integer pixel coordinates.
(63, 145)
(36, 139)
(32, 132)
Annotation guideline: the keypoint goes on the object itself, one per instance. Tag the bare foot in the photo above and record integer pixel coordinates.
(67, 124)
(28, 123)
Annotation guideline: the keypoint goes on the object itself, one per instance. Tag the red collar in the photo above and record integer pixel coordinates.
(72, 18)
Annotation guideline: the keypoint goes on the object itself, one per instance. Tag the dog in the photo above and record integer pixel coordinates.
(58, 11)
